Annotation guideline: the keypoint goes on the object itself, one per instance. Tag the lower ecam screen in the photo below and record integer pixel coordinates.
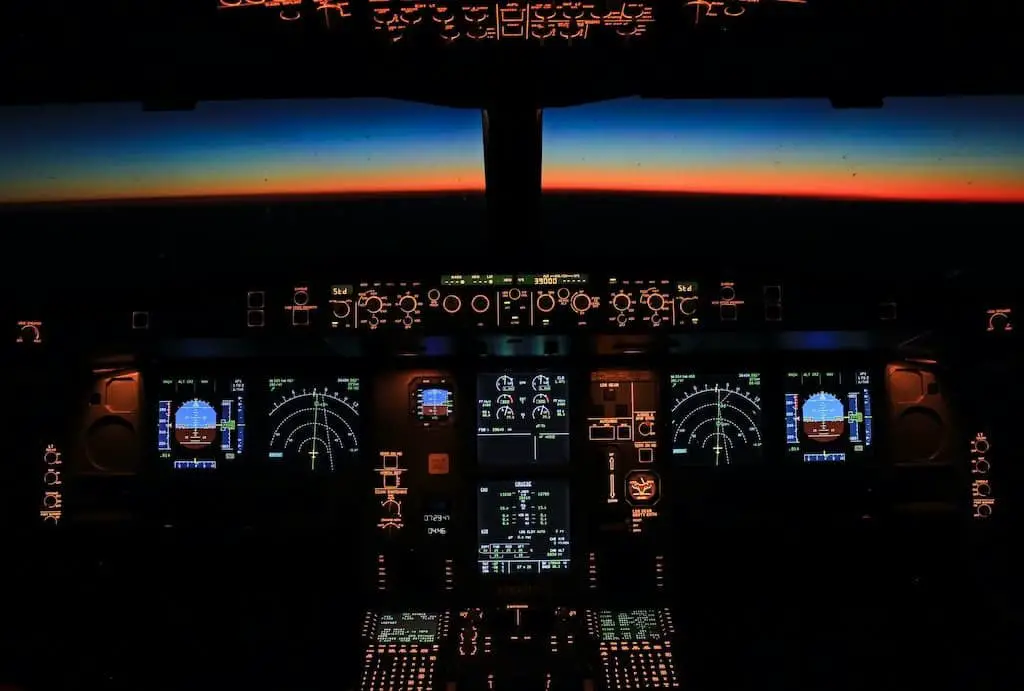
(407, 627)
(523, 526)
(829, 415)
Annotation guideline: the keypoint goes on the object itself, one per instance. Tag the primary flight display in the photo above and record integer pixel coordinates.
(828, 415)
(200, 421)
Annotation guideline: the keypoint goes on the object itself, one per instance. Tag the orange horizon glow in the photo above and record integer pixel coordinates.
(807, 186)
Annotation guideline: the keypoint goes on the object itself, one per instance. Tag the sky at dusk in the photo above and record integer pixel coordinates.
(928, 149)
(924, 149)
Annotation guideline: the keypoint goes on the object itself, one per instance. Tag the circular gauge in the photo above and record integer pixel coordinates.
(715, 422)
(432, 400)
(541, 382)
(195, 424)
(316, 426)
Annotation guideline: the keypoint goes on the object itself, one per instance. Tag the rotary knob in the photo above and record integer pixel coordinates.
(581, 302)
(451, 304)
(656, 302)
(408, 303)
(546, 302)
(374, 304)
(622, 301)
(342, 309)
(688, 306)
(480, 303)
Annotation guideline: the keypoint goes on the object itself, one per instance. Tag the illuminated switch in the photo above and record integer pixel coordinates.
(773, 295)
(728, 312)
(300, 317)
(256, 300)
(255, 319)
(140, 321)
(773, 313)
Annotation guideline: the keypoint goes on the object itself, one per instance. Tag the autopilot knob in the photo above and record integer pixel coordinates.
(622, 301)
(546, 302)
(656, 302)
(581, 302)
(408, 303)
(374, 304)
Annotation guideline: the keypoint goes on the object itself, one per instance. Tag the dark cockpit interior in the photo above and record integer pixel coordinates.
(381, 345)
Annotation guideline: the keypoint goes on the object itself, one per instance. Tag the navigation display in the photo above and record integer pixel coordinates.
(716, 419)
(523, 526)
(828, 415)
(314, 422)
(631, 625)
(408, 627)
(522, 418)
(200, 421)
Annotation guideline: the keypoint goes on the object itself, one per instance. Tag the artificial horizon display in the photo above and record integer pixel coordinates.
(200, 422)
(828, 415)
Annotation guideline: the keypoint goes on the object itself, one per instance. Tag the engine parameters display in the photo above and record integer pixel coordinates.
(523, 526)
(522, 419)
(828, 415)
(408, 627)
(716, 419)
(432, 401)
(314, 422)
(630, 625)
(200, 421)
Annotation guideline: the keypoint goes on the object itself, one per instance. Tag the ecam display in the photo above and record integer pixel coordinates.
(828, 415)
(522, 418)
(523, 526)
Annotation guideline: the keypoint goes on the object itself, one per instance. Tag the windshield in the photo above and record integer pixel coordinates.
(237, 150)
(913, 149)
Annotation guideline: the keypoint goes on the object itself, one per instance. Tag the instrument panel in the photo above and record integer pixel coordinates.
(524, 419)
(540, 303)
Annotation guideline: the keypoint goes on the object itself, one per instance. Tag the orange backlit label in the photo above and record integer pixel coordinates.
(465, 22)
(438, 464)
(509, 21)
